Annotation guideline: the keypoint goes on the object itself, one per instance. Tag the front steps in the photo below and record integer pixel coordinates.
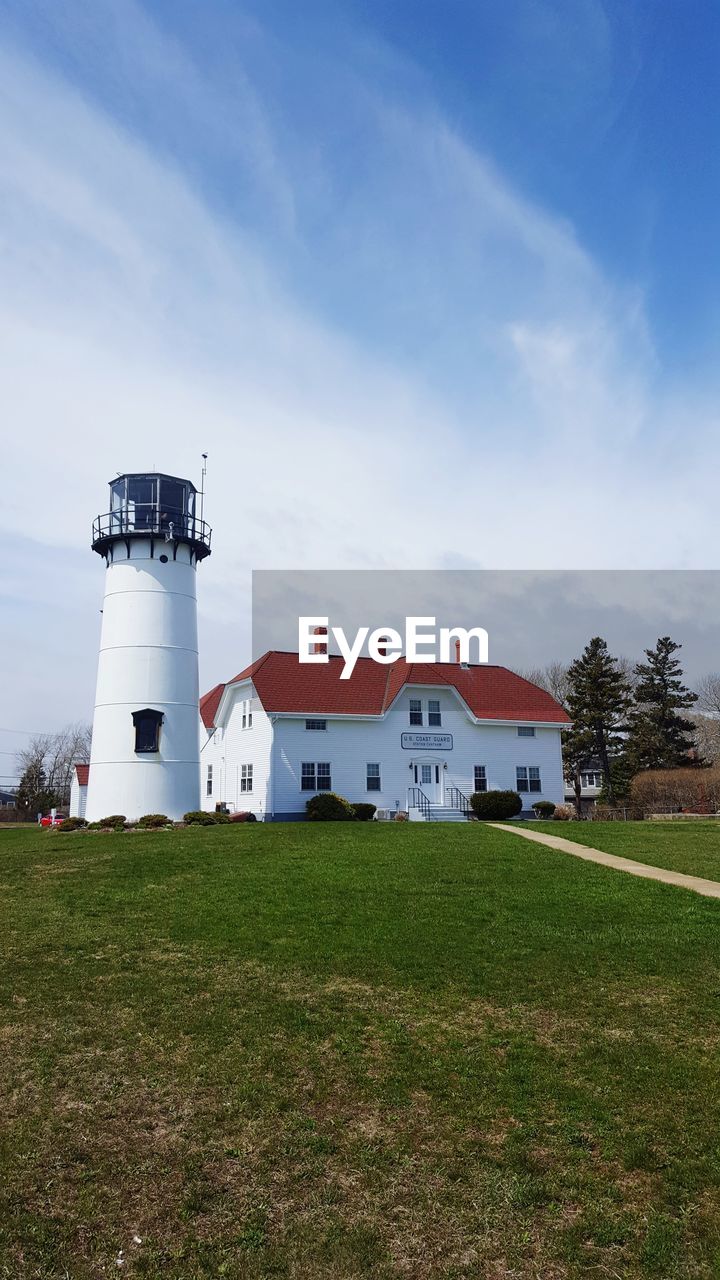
(442, 813)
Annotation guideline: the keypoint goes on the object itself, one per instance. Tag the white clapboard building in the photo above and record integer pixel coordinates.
(411, 736)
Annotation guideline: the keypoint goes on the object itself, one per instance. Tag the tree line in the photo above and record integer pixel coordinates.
(628, 717)
(46, 768)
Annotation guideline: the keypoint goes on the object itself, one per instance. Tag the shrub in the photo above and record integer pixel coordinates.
(401, 816)
(677, 790)
(327, 807)
(72, 824)
(242, 817)
(544, 808)
(199, 818)
(564, 813)
(115, 820)
(153, 820)
(364, 812)
(495, 804)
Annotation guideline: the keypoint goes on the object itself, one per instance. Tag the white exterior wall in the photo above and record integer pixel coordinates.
(277, 751)
(351, 744)
(230, 747)
(78, 799)
(148, 658)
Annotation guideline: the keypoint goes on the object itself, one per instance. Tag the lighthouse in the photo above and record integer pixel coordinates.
(145, 754)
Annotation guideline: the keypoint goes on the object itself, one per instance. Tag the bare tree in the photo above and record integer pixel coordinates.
(706, 736)
(552, 678)
(53, 756)
(708, 692)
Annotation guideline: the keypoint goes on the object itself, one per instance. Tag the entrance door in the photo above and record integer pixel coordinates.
(428, 777)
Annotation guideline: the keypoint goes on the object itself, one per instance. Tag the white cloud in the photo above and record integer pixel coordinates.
(139, 326)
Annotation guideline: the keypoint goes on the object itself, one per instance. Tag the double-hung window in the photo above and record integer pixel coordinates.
(528, 778)
(434, 717)
(480, 778)
(246, 777)
(373, 777)
(416, 716)
(315, 777)
(209, 783)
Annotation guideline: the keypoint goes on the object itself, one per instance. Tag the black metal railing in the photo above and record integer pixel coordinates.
(152, 520)
(456, 799)
(418, 800)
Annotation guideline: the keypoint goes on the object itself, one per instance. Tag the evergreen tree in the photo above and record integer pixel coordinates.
(33, 795)
(598, 702)
(660, 737)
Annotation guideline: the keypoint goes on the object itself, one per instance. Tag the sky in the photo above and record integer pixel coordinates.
(434, 283)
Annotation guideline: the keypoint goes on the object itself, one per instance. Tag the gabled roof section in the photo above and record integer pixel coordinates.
(285, 685)
(209, 704)
(83, 773)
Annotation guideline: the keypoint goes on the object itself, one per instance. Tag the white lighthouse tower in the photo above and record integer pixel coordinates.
(146, 749)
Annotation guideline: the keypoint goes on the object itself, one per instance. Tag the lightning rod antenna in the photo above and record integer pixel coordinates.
(202, 485)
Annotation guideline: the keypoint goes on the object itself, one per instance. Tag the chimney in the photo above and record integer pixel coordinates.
(383, 643)
(457, 650)
(320, 646)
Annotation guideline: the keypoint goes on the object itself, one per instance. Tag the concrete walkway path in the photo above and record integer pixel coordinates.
(708, 888)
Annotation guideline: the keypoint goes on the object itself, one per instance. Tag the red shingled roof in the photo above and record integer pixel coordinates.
(209, 704)
(285, 684)
(83, 773)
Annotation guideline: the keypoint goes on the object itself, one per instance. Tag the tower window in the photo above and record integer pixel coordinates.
(147, 730)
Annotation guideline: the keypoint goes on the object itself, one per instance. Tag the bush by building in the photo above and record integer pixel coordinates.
(544, 809)
(149, 821)
(329, 807)
(495, 805)
(364, 812)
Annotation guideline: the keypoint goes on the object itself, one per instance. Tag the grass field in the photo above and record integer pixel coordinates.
(692, 847)
(353, 1051)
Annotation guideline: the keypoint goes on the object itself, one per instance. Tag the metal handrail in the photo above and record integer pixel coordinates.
(458, 798)
(418, 800)
(150, 519)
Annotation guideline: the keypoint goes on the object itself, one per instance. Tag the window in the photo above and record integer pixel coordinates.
(434, 717)
(415, 711)
(426, 774)
(373, 777)
(208, 784)
(246, 775)
(315, 777)
(526, 731)
(591, 779)
(316, 724)
(147, 730)
(480, 777)
(246, 715)
(528, 778)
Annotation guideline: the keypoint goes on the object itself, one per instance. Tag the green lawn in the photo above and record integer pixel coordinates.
(692, 847)
(353, 1051)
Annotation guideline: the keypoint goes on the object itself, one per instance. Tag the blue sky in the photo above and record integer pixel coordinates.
(435, 284)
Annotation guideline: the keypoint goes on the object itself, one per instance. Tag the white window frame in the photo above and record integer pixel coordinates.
(209, 781)
(480, 775)
(531, 784)
(375, 777)
(416, 709)
(434, 724)
(314, 724)
(526, 731)
(246, 779)
(315, 766)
